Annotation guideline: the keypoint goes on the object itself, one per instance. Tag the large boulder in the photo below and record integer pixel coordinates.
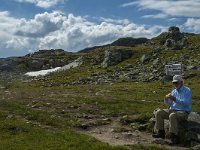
(56, 63)
(174, 39)
(115, 57)
(189, 130)
(174, 33)
(35, 64)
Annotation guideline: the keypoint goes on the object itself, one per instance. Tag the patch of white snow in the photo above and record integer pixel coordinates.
(73, 64)
(41, 72)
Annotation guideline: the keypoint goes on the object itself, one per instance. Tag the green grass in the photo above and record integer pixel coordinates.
(51, 112)
(34, 115)
(18, 135)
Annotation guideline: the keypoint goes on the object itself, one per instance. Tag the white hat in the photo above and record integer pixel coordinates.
(177, 78)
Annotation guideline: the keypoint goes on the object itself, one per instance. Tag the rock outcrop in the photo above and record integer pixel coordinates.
(115, 57)
(189, 130)
(40, 60)
(9, 64)
(174, 39)
(35, 64)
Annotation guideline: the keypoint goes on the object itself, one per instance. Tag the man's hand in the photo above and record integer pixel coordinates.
(169, 96)
(173, 98)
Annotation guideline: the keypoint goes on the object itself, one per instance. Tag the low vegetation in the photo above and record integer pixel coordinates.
(34, 117)
(50, 112)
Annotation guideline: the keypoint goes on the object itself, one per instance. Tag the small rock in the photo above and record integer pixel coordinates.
(112, 130)
(144, 58)
(106, 119)
(2, 87)
(116, 137)
(84, 126)
(9, 116)
(159, 141)
(197, 147)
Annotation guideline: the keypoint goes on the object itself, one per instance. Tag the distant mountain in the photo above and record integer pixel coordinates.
(128, 41)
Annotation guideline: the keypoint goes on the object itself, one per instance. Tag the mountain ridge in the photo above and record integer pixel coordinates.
(144, 55)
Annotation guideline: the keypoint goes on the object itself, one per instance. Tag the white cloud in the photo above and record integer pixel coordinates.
(7, 29)
(41, 25)
(68, 32)
(116, 21)
(193, 24)
(42, 3)
(129, 4)
(173, 19)
(156, 16)
(181, 8)
(7, 23)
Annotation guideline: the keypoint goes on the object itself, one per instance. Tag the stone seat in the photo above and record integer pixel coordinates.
(189, 130)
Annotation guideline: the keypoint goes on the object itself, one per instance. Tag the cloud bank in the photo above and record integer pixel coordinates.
(178, 8)
(193, 24)
(72, 33)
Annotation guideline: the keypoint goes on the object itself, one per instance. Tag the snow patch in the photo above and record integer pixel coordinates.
(73, 64)
(41, 72)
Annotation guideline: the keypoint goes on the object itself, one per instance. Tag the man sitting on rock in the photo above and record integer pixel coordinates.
(180, 105)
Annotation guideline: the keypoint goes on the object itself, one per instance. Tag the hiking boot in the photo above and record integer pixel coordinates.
(160, 134)
(174, 139)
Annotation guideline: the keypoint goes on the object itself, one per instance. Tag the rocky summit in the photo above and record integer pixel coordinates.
(123, 60)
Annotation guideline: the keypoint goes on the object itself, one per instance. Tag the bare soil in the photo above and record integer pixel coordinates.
(112, 135)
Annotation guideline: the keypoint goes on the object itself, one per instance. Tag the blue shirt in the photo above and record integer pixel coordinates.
(183, 99)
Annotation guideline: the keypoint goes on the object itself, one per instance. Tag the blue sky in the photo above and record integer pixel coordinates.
(29, 25)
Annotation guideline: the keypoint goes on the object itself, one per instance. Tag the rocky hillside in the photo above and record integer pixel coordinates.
(143, 62)
(43, 59)
(123, 60)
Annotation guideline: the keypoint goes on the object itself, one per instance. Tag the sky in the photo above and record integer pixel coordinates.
(27, 26)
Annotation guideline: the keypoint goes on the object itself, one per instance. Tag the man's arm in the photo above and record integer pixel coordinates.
(184, 100)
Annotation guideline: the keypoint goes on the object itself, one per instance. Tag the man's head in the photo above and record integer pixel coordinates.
(177, 81)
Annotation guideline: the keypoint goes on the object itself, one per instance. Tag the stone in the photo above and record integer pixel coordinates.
(174, 39)
(144, 58)
(2, 87)
(169, 43)
(115, 57)
(35, 64)
(191, 67)
(156, 61)
(197, 147)
(189, 131)
(157, 49)
(174, 30)
(159, 141)
(84, 126)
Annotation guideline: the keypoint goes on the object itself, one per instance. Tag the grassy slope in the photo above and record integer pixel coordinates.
(33, 116)
(18, 135)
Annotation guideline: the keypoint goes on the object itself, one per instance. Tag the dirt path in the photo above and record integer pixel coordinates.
(108, 134)
(113, 134)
